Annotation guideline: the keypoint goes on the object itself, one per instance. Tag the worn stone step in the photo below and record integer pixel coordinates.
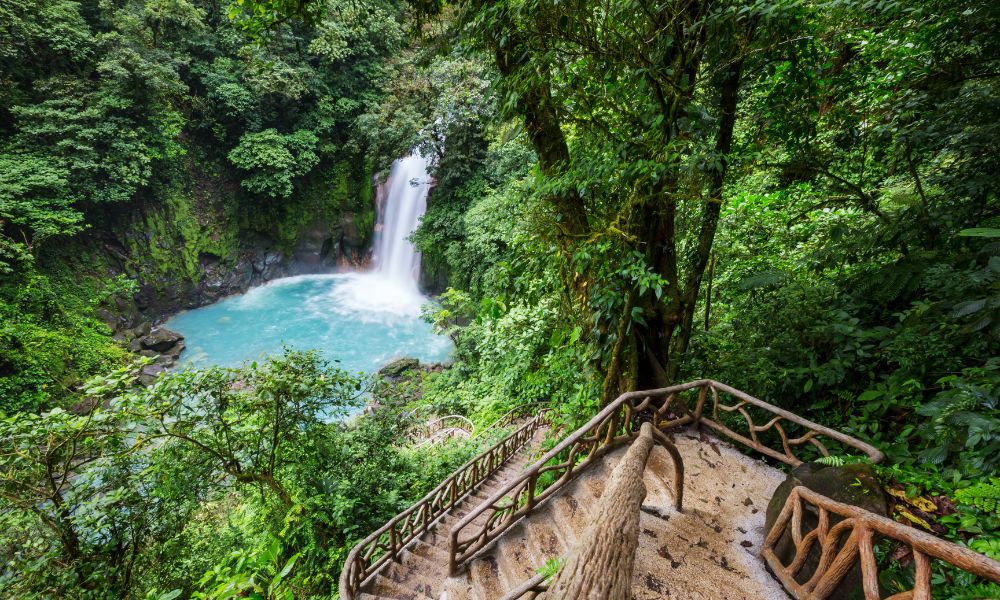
(569, 515)
(421, 570)
(430, 552)
(383, 587)
(485, 579)
(412, 570)
(526, 547)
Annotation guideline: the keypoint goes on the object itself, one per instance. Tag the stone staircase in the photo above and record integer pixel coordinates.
(566, 505)
(422, 567)
(709, 551)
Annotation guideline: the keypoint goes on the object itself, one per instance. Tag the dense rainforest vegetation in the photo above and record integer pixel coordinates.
(799, 199)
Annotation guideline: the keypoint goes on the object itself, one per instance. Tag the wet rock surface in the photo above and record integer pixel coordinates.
(162, 341)
(395, 369)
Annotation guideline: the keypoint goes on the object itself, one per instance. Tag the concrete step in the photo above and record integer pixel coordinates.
(431, 553)
(524, 548)
(384, 587)
(411, 570)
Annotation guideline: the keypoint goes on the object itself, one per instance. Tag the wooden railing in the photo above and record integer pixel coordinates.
(617, 523)
(838, 555)
(428, 432)
(778, 420)
(617, 424)
(385, 544)
(519, 411)
(592, 572)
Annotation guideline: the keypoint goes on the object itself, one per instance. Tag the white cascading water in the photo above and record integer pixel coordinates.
(405, 200)
(392, 287)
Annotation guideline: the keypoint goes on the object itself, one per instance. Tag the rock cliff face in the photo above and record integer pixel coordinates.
(195, 244)
(324, 246)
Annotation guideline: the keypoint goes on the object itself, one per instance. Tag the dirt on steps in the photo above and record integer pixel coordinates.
(710, 551)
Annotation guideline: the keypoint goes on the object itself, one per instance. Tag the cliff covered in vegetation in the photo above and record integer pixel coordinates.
(154, 156)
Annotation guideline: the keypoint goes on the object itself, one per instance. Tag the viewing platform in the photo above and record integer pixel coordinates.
(649, 499)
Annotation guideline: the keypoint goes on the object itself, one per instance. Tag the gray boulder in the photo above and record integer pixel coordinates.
(160, 340)
(396, 368)
(150, 372)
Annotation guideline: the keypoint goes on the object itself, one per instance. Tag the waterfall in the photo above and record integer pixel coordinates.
(361, 319)
(391, 289)
(403, 198)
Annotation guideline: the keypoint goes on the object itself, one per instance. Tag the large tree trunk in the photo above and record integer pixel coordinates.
(600, 565)
(541, 118)
(669, 324)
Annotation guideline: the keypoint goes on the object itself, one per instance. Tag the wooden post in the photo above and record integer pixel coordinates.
(600, 566)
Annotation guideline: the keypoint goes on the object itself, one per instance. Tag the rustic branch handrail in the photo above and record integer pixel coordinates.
(425, 432)
(615, 425)
(510, 416)
(787, 456)
(859, 526)
(590, 571)
(530, 588)
(370, 554)
(618, 513)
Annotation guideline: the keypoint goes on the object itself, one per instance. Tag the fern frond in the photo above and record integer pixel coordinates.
(764, 279)
(984, 495)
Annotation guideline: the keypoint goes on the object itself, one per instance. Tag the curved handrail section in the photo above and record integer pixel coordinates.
(383, 545)
(427, 432)
(519, 411)
(845, 535)
(618, 423)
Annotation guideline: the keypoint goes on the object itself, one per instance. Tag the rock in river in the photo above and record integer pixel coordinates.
(161, 340)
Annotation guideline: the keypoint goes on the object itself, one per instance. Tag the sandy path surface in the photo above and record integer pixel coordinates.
(711, 551)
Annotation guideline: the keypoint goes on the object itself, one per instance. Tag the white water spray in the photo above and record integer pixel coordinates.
(391, 289)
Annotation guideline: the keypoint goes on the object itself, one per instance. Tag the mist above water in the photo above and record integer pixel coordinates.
(364, 319)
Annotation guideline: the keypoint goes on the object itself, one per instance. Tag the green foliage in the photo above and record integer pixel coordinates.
(984, 495)
(258, 573)
(274, 160)
(261, 17)
(221, 482)
(246, 420)
(49, 341)
(35, 204)
(551, 568)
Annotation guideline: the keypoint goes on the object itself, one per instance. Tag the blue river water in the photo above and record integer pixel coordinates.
(362, 320)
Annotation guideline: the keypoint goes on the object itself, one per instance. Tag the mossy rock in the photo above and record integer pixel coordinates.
(849, 484)
(396, 368)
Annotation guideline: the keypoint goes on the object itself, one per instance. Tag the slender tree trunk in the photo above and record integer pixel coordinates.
(728, 99)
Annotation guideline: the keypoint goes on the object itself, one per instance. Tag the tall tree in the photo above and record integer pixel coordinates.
(631, 109)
